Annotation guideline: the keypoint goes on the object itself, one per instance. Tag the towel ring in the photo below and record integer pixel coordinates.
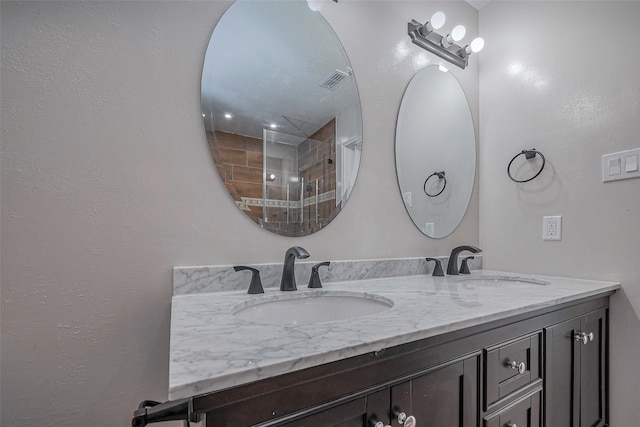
(440, 175)
(528, 154)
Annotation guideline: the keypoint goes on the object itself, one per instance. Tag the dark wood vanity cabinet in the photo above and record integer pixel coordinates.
(444, 396)
(525, 371)
(576, 371)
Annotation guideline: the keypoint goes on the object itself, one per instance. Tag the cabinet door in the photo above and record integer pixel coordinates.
(593, 370)
(445, 396)
(560, 388)
(575, 372)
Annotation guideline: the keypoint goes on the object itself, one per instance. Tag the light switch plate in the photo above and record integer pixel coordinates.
(552, 228)
(621, 165)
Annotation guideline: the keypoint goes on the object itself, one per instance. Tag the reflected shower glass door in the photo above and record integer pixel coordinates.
(299, 183)
(281, 189)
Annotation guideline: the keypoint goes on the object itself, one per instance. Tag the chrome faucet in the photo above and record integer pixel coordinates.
(452, 266)
(288, 282)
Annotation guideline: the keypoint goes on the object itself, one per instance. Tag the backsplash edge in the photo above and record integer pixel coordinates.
(222, 278)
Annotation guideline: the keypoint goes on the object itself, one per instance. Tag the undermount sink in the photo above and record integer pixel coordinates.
(500, 280)
(302, 308)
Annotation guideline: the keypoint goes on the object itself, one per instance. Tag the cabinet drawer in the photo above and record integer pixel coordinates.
(523, 413)
(510, 366)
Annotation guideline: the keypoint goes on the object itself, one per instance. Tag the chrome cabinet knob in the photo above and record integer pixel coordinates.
(520, 367)
(410, 421)
(375, 422)
(404, 420)
(584, 337)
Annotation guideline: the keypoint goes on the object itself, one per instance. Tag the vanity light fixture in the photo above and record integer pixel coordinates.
(445, 47)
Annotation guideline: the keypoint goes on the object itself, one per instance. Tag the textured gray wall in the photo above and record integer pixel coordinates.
(548, 81)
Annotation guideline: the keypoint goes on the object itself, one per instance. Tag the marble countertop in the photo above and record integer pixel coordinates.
(212, 350)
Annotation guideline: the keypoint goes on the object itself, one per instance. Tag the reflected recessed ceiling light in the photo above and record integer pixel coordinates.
(273, 125)
(227, 116)
(442, 68)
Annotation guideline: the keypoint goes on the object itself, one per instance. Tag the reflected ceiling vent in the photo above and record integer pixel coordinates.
(334, 79)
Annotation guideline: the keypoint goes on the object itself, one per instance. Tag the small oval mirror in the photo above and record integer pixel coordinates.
(435, 151)
(282, 114)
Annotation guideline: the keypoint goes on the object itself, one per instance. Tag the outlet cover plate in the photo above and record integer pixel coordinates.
(552, 227)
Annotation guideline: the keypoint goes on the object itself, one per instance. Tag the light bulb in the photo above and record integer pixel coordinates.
(438, 19)
(273, 125)
(477, 44)
(228, 116)
(458, 33)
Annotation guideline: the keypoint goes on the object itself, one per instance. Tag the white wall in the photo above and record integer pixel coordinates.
(563, 77)
(107, 184)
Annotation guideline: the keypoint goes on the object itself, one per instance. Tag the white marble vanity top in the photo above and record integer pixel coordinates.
(212, 350)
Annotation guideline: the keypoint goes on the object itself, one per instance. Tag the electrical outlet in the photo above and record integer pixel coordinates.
(552, 228)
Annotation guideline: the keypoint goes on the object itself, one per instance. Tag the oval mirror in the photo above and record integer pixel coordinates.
(435, 151)
(282, 114)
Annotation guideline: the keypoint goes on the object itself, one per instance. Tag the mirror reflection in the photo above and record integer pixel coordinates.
(435, 151)
(282, 114)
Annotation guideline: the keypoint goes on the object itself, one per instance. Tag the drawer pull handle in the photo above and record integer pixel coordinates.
(510, 424)
(520, 367)
(584, 337)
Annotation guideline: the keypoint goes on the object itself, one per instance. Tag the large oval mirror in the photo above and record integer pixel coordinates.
(282, 114)
(435, 151)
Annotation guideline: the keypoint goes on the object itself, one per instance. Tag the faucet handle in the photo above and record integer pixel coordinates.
(437, 269)
(464, 268)
(255, 287)
(314, 280)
